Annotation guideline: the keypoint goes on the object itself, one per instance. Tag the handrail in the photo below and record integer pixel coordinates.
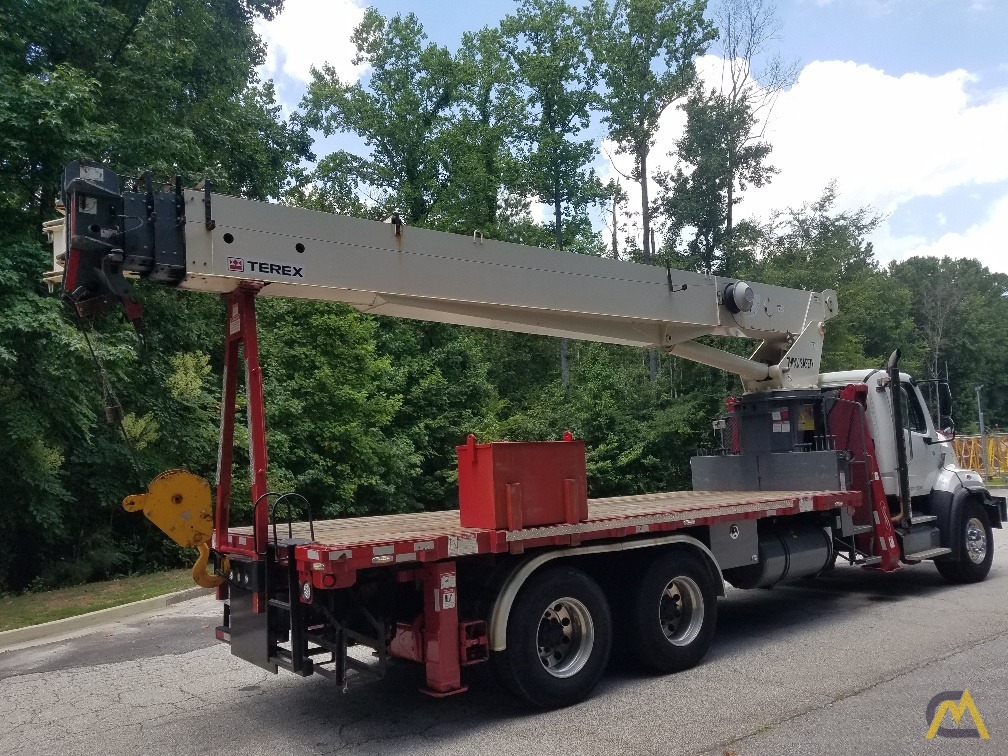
(263, 499)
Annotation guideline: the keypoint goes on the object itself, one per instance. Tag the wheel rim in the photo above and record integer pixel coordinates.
(976, 541)
(566, 637)
(681, 611)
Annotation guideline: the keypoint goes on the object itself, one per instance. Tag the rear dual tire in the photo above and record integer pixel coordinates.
(559, 636)
(673, 613)
(560, 629)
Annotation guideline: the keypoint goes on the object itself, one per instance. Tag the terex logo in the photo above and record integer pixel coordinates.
(236, 264)
(275, 269)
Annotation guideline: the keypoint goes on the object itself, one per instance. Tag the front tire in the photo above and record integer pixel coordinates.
(559, 635)
(673, 614)
(975, 548)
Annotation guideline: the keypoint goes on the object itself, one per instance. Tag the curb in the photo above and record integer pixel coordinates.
(80, 622)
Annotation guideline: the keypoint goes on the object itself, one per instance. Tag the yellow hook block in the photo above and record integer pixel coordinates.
(178, 502)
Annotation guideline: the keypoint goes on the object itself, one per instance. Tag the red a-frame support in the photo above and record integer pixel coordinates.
(241, 333)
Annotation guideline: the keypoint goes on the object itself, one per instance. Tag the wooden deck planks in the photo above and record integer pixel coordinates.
(428, 525)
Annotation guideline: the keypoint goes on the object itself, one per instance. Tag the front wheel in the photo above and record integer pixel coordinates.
(975, 548)
(559, 635)
(673, 613)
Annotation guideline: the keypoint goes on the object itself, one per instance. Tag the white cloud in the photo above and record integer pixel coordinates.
(885, 139)
(311, 33)
(987, 241)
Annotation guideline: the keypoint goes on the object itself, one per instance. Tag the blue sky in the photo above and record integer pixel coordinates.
(903, 102)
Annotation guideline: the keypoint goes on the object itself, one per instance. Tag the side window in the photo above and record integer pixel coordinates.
(915, 413)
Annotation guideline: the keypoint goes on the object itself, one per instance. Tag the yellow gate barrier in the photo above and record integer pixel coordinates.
(967, 449)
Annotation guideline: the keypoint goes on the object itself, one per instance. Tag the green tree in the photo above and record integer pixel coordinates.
(168, 85)
(817, 247)
(441, 372)
(959, 309)
(718, 162)
(403, 115)
(752, 79)
(647, 51)
(545, 41)
(329, 412)
(638, 437)
(481, 146)
(722, 151)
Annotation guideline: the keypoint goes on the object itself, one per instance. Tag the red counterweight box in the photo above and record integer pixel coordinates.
(509, 485)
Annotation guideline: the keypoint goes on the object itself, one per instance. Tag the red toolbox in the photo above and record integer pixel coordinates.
(509, 485)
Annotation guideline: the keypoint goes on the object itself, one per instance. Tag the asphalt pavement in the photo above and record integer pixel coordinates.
(846, 663)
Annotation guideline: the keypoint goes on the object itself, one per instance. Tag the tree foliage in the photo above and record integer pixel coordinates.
(717, 163)
(647, 51)
(192, 106)
(402, 115)
(544, 39)
(363, 413)
(959, 309)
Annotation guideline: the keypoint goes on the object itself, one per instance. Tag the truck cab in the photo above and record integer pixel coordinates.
(931, 460)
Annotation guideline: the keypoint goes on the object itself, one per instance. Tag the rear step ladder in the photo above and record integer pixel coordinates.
(287, 619)
(285, 612)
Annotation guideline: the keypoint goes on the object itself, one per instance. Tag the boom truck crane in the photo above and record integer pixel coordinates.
(528, 574)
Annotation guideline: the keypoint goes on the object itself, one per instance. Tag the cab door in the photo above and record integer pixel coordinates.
(924, 454)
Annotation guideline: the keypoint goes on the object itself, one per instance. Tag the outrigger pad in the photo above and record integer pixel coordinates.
(179, 503)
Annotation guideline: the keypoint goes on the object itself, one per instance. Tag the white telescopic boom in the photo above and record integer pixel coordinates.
(391, 269)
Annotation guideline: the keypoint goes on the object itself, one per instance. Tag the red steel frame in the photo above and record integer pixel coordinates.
(241, 336)
(441, 630)
(441, 641)
(873, 493)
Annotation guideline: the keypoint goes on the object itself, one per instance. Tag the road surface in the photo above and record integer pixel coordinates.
(843, 664)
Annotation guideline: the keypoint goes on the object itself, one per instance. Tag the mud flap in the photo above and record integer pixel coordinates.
(997, 510)
(249, 631)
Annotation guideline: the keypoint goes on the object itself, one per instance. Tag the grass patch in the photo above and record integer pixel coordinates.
(35, 608)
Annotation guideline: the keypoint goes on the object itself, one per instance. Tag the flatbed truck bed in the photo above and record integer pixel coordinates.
(343, 546)
(424, 588)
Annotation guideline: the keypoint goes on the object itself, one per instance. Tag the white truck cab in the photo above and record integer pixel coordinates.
(929, 495)
(931, 461)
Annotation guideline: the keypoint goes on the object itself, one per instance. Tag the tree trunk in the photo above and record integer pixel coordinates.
(642, 150)
(645, 203)
(615, 247)
(728, 211)
(726, 243)
(558, 235)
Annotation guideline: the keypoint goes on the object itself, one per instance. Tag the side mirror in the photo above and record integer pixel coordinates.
(948, 427)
